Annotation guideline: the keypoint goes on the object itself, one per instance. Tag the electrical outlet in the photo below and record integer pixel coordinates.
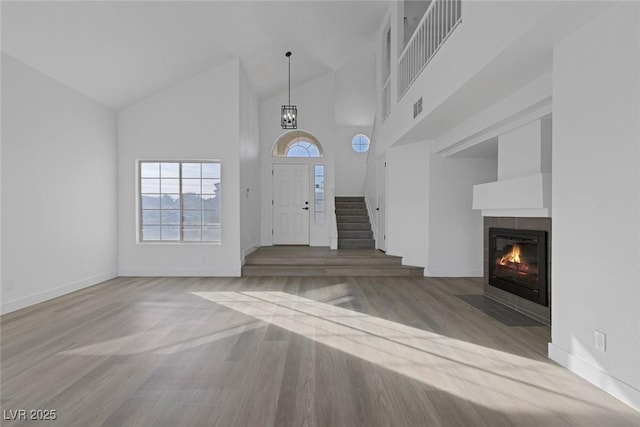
(600, 340)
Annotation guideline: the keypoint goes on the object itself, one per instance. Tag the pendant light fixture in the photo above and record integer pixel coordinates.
(289, 117)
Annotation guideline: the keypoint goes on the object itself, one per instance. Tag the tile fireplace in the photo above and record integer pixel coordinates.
(517, 241)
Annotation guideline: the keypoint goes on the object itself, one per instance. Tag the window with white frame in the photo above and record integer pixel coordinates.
(180, 201)
(303, 148)
(360, 143)
(297, 143)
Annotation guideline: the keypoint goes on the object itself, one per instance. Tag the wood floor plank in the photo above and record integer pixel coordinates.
(287, 351)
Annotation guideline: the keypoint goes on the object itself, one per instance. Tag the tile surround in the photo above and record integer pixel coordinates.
(536, 311)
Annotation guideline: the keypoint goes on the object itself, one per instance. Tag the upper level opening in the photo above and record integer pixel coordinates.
(428, 25)
(297, 143)
(413, 13)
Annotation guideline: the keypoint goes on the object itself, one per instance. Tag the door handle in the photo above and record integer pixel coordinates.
(377, 209)
(306, 208)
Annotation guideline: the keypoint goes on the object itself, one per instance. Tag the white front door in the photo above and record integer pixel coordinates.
(382, 204)
(291, 204)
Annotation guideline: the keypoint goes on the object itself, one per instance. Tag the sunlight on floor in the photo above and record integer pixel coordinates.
(155, 342)
(478, 374)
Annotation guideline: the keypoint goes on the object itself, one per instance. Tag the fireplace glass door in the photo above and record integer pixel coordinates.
(517, 261)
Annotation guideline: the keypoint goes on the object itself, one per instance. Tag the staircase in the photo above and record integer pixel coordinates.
(356, 254)
(354, 228)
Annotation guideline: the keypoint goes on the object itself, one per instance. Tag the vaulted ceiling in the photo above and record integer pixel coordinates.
(118, 52)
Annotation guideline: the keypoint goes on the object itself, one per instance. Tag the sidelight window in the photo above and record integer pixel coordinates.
(318, 193)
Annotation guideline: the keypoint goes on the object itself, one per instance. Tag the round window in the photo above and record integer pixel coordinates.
(360, 143)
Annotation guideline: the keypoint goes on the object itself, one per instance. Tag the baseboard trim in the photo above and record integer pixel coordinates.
(249, 250)
(373, 219)
(179, 273)
(29, 300)
(618, 389)
(453, 273)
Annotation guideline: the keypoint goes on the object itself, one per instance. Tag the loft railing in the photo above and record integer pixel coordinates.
(386, 98)
(438, 22)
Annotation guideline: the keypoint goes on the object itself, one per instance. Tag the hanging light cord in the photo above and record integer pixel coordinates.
(288, 54)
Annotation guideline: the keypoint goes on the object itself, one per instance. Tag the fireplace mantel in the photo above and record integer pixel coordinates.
(523, 186)
(527, 196)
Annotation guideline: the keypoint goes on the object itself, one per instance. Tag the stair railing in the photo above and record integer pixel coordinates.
(370, 183)
(333, 222)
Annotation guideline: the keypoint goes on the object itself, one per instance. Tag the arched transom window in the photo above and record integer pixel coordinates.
(303, 148)
(297, 144)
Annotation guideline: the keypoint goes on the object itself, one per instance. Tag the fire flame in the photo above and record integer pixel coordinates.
(515, 262)
(511, 257)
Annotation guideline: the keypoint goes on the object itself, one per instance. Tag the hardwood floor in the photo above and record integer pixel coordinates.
(287, 351)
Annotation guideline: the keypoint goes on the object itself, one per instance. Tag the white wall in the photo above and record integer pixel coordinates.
(408, 203)
(315, 101)
(456, 231)
(250, 186)
(596, 198)
(350, 166)
(196, 119)
(355, 94)
(59, 218)
(355, 109)
(530, 102)
(430, 222)
(520, 151)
